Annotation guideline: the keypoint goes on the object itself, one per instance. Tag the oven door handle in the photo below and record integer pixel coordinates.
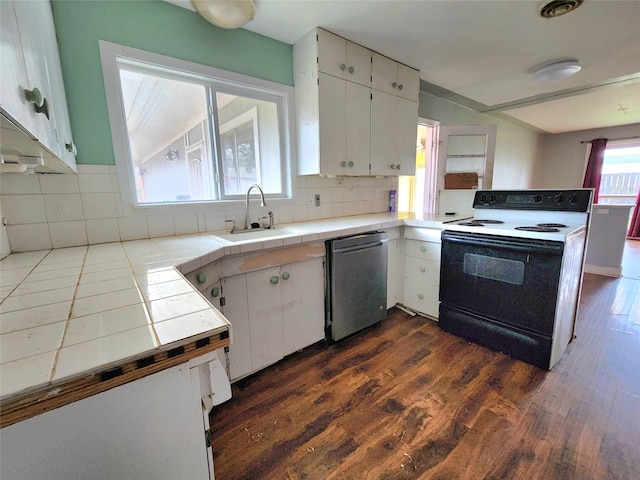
(554, 248)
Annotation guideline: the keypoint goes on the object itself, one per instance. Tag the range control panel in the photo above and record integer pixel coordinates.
(578, 200)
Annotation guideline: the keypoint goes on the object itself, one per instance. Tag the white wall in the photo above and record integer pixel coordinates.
(563, 158)
(517, 148)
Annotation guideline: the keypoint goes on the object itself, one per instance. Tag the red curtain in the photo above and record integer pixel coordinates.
(634, 229)
(594, 166)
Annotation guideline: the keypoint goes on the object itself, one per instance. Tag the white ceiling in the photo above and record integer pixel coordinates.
(479, 52)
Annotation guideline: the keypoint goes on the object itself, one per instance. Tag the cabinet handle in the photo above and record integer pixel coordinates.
(421, 296)
(286, 276)
(274, 280)
(34, 96)
(351, 69)
(215, 292)
(400, 87)
(44, 109)
(422, 269)
(423, 248)
(351, 164)
(343, 67)
(71, 148)
(394, 85)
(201, 278)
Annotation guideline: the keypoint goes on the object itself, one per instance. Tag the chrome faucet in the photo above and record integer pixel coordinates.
(247, 221)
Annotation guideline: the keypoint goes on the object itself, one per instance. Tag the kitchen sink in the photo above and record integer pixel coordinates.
(250, 235)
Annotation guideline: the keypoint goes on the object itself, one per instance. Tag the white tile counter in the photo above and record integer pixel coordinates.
(71, 312)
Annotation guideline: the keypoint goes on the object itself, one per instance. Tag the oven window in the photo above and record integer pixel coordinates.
(499, 269)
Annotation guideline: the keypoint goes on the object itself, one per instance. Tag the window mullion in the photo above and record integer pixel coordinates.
(215, 143)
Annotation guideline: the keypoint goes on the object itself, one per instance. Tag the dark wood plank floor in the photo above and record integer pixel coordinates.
(405, 400)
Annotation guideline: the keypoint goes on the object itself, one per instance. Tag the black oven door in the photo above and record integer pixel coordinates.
(512, 281)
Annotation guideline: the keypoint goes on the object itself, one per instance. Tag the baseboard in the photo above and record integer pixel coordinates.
(608, 271)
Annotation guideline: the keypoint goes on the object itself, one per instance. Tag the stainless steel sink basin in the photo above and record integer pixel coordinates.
(249, 235)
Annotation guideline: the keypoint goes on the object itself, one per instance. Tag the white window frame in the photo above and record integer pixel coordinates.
(111, 53)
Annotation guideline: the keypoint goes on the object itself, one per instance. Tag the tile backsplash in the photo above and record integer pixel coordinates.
(54, 211)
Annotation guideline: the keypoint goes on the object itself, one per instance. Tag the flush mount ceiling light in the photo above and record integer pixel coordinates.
(555, 70)
(227, 14)
(555, 8)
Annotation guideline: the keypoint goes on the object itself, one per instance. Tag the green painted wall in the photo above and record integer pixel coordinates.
(157, 27)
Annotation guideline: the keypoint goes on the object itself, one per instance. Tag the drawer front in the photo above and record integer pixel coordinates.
(425, 250)
(423, 270)
(421, 296)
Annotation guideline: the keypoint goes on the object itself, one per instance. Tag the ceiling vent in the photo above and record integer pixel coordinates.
(555, 8)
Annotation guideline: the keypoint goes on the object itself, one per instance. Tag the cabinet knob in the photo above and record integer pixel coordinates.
(351, 164)
(34, 96)
(421, 296)
(201, 277)
(423, 248)
(343, 67)
(394, 85)
(400, 87)
(343, 163)
(422, 269)
(286, 276)
(351, 69)
(71, 148)
(274, 280)
(392, 166)
(215, 291)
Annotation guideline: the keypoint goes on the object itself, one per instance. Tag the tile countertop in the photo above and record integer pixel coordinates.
(68, 312)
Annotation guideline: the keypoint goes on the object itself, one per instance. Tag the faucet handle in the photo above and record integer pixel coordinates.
(233, 225)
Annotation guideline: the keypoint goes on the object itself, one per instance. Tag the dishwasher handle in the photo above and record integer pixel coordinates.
(359, 248)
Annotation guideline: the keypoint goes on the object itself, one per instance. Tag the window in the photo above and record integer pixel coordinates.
(186, 133)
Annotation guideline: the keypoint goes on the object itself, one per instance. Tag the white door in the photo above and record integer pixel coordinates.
(464, 149)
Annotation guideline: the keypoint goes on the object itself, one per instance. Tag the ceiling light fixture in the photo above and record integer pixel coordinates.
(555, 8)
(556, 70)
(227, 14)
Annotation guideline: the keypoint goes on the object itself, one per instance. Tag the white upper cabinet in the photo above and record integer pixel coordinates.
(33, 95)
(343, 59)
(335, 107)
(395, 78)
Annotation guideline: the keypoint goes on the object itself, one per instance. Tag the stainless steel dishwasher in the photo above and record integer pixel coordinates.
(356, 283)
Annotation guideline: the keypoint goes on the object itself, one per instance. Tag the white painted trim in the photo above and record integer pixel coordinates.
(110, 53)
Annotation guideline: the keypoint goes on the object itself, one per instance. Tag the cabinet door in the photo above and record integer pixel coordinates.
(302, 286)
(406, 136)
(265, 316)
(333, 124)
(332, 54)
(383, 133)
(58, 104)
(384, 74)
(14, 71)
(235, 309)
(358, 64)
(30, 15)
(358, 114)
(408, 83)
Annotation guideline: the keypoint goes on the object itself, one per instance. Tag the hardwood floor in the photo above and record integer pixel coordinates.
(631, 259)
(405, 400)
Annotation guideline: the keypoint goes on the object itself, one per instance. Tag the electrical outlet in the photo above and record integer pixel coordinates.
(317, 199)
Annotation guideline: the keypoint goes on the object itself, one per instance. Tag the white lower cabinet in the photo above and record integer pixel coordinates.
(152, 428)
(422, 270)
(394, 279)
(273, 312)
